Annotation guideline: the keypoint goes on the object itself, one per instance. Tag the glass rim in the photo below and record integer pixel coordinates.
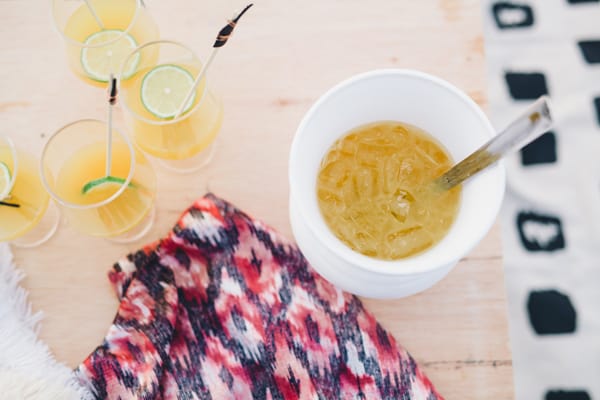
(104, 202)
(170, 121)
(138, 6)
(15, 169)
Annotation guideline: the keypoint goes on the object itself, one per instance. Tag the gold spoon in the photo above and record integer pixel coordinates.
(536, 120)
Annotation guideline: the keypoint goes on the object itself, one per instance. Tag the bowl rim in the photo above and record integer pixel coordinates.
(421, 263)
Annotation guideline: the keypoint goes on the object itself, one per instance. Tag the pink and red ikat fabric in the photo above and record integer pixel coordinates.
(226, 308)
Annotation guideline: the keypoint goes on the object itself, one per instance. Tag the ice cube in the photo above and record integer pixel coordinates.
(329, 196)
(400, 132)
(365, 243)
(406, 167)
(365, 181)
(424, 154)
(403, 233)
(332, 169)
(366, 156)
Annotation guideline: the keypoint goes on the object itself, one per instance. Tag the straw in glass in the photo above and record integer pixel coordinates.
(89, 5)
(112, 100)
(222, 38)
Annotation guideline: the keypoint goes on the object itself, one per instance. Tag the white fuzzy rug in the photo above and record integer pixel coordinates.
(27, 368)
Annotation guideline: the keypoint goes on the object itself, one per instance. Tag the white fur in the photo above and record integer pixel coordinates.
(27, 368)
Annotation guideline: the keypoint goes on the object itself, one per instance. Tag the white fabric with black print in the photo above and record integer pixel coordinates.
(551, 215)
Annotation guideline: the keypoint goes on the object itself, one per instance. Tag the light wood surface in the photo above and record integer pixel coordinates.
(281, 58)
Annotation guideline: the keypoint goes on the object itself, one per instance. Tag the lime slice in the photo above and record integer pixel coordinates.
(105, 183)
(164, 89)
(4, 180)
(99, 62)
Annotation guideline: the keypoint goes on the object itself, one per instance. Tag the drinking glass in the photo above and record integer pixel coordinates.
(26, 219)
(153, 96)
(118, 205)
(99, 34)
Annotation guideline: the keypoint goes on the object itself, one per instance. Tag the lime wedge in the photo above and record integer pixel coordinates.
(104, 184)
(164, 89)
(98, 62)
(4, 180)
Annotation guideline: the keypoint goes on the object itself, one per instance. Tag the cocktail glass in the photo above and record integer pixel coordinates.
(99, 34)
(152, 97)
(26, 219)
(118, 206)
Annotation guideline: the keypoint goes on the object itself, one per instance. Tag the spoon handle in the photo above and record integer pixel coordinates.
(536, 120)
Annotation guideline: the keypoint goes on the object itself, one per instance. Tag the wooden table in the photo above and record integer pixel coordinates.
(282, 57)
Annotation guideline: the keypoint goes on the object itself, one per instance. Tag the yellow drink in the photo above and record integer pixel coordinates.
(27, 192)
(105, 217)
(373, 190)
(153, 100)
(176, 139)
(93, 56)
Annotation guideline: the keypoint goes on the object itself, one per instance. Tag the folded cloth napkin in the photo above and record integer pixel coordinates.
(225, 308)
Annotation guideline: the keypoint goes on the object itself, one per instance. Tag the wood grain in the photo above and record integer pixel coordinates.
(281, 58)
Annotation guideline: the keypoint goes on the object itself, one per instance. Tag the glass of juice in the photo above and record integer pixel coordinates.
(153, 97)
(26, 219)
(99, 34)
(118, 205)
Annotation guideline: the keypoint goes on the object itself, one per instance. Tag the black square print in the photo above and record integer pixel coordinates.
(551, 312)
(567, 395)
(590, 50)
(526, 86)
(540, 232)
(597, 107)
(510, 15)
(541, 151)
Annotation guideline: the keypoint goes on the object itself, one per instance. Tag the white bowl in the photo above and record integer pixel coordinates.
(415, 98)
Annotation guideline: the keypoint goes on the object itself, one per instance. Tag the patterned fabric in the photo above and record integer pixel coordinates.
(551, 212)
(225, 308)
